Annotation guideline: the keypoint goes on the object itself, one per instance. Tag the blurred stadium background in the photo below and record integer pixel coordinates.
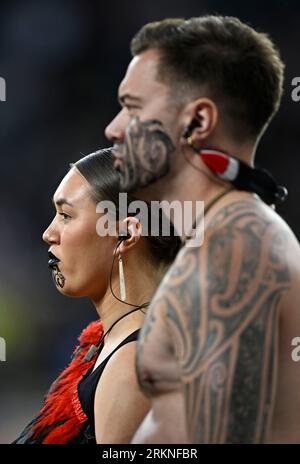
(62, 61)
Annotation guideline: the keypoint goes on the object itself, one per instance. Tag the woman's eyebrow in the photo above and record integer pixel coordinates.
(61, 201)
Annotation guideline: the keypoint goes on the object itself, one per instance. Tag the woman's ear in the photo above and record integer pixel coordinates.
(134, 233)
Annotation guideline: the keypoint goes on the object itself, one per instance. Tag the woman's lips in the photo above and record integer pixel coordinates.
(53, 260)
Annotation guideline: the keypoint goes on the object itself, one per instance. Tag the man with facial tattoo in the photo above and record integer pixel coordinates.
(214, 354)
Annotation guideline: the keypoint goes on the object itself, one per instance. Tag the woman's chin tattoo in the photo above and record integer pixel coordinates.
(145, 156)
(58, 277)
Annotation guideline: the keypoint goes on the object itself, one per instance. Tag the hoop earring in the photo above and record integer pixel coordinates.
(122, 279)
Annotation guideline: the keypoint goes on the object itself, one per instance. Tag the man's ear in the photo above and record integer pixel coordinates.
(202, 118)
(134, 233)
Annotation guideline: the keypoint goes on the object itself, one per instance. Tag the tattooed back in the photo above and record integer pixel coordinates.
(215, 351)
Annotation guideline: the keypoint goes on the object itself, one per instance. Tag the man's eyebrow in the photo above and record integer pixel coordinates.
(61, 201)
(128, 96)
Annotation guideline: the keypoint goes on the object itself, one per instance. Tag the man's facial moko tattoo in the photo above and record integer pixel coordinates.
(145, 155)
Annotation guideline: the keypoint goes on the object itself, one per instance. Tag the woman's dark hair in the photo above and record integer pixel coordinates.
(98, 169)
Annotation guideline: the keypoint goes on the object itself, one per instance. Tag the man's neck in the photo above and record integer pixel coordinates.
(189, 187)
(190, 180)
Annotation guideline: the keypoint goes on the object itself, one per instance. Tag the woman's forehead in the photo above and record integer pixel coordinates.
(73, 189)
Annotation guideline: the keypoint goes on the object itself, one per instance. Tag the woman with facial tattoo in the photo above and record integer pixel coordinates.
(96, 399)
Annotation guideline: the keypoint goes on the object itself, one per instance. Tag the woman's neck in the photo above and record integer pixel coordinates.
(110, 309)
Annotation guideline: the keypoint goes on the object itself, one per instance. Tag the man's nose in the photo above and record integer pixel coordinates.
(51, 235)
(115, 131)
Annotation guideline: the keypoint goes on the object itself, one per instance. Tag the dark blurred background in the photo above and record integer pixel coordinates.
(62, 61)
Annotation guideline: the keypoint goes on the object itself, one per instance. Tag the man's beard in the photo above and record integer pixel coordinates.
(145, 155)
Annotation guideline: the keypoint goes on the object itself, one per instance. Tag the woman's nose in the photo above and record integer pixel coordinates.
(50, 235)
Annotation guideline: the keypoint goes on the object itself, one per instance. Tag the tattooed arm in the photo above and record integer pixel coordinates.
(222, 308)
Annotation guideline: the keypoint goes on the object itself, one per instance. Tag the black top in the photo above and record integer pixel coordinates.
(86, 393)
(87, 386)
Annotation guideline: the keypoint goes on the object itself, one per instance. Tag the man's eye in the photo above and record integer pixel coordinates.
(131, 108)
(65, 216)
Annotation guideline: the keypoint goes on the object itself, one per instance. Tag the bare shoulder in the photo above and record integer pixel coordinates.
(222, 303)
(122, 363)
(245, 227)
(246, 243)
(247, 213)
(250, 228)
(119, 404)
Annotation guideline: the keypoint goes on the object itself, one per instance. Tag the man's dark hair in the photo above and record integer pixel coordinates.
(221, 58)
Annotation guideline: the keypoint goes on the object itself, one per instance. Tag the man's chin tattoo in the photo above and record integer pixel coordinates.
(145, 155)
(58, 277)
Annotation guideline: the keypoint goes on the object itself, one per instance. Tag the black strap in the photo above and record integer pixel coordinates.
(261, 182)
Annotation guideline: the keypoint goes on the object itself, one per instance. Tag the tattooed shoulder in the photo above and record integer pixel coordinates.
(222, 303)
